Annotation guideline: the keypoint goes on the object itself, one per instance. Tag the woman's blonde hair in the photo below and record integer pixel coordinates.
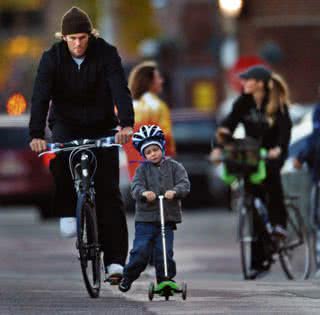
(278, 95)
(95, 33)
(140, 78)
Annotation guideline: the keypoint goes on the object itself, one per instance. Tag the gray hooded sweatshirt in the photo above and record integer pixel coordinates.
(169, 175)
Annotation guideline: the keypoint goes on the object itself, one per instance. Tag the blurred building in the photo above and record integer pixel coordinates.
(21, 24)
(27, 27)
(189, 53)
(286, 34)
(184, 36)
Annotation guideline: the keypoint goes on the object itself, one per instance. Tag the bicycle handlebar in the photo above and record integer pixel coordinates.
(104, 142)
(144, 199)
(225, 157)
(241, 163)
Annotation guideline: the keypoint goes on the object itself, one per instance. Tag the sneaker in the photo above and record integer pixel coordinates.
(280, 232)
(124, 285)
(68, 227)
(114, 274)
(115, 269)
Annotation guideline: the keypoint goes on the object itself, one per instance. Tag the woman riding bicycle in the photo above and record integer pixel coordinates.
(263, 110)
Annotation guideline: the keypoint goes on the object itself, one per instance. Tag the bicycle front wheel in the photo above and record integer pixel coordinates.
(246, 239)
(295, 251)
(89, 249)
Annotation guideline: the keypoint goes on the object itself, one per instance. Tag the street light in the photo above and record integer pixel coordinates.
(230, 8)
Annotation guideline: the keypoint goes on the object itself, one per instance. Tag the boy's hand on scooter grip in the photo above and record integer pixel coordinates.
(150, 195)
(170, 194)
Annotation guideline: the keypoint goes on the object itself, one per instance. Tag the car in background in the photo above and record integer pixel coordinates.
(193, 132)
(24, 177)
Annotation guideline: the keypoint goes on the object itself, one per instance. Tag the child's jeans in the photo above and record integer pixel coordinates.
(148, 241)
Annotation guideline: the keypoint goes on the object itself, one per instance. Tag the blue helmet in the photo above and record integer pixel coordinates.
(147, 135)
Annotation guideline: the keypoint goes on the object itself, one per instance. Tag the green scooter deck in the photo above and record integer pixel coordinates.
(167, 288)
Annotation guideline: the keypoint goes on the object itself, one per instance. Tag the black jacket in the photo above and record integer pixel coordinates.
(256, 125)
(82, 98)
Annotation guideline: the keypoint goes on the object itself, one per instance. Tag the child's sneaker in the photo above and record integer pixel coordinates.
(125, 285)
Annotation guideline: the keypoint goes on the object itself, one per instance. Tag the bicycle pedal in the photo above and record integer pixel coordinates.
(114, 279)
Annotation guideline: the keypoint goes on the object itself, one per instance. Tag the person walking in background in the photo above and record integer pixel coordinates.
(145, 84)
(82, 76)
(158, 175)
(310, 153)
(263, 110)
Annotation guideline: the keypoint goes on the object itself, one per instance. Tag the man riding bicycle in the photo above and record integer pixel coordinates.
(82, 79)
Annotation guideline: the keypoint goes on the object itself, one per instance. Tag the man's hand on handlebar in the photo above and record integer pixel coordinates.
(124, 135)
(38, 145)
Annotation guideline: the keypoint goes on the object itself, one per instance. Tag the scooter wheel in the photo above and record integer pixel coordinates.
(184, 290)
(151, 291)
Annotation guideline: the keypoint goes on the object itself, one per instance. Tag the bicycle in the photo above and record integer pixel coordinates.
(244, 166)
(83, 165)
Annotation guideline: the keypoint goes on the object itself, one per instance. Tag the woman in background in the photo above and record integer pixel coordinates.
(145, 84)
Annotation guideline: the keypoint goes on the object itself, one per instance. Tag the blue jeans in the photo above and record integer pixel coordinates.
(148, 241)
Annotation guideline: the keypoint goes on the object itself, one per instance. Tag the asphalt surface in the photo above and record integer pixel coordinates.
(40, 273)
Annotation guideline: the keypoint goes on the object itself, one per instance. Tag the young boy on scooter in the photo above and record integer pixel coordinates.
(157, 175)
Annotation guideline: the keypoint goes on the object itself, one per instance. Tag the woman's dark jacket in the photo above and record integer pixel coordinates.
(270, 135)
(82, 98)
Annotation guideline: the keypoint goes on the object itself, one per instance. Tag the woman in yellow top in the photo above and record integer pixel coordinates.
(145, 84)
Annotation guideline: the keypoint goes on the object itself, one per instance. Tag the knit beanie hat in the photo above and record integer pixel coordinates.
(75, 21)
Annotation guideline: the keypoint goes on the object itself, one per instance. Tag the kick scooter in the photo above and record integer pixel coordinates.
(167, 287)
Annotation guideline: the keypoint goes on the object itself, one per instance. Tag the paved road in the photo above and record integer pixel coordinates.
(39, 274)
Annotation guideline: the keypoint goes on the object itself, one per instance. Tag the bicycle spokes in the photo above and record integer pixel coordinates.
(89, 250)
(295, 250)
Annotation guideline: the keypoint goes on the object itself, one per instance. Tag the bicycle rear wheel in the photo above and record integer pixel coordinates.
(246, 239)
(295, 251)
(89, 250)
